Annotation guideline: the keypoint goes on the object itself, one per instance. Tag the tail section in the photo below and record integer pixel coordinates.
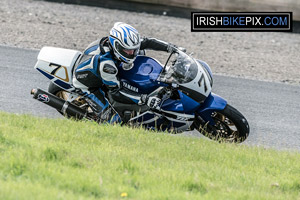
(57, 65)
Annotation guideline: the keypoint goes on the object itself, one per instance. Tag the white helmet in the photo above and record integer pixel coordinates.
(125, 41)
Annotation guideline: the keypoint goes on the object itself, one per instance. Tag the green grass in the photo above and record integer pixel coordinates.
(64, 159)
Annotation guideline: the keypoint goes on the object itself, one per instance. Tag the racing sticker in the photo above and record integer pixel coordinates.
(43, 98)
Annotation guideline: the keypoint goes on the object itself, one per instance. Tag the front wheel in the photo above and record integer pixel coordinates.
(230, 126)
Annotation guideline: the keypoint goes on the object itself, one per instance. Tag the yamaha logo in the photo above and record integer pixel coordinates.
(130, 87)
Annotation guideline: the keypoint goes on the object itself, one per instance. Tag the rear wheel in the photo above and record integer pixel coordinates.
(230, 126)
(59, 92)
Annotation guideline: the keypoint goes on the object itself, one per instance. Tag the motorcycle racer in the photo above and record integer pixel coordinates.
(179, 93)
(96, 73)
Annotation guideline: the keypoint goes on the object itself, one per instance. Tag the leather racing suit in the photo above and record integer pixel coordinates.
(97, 73)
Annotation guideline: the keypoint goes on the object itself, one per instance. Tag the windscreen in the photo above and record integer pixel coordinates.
(180, 69)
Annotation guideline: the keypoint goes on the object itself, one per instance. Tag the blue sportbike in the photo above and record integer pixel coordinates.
(183, 83)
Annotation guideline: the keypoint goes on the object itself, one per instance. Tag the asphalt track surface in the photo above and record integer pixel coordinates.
(272, 109)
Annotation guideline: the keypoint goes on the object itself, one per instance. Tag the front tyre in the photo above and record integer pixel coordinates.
(230, 126)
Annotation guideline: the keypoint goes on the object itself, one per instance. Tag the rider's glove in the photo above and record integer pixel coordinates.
(153, 102)
(172, 48)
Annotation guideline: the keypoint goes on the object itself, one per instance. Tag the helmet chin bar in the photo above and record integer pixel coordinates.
(125, 64)
(123, 60)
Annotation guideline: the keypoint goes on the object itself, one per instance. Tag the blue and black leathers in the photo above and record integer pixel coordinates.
(97, 72)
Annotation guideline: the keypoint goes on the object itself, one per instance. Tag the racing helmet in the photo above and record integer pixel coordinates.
(125, 42)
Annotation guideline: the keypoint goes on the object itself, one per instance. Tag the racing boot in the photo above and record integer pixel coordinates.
(101, 108)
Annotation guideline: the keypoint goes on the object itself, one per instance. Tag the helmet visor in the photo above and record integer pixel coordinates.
(127, 53)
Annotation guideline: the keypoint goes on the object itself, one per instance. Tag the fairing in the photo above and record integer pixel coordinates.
(191, 76)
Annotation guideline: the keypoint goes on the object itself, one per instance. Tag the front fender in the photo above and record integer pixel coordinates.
(212, 103)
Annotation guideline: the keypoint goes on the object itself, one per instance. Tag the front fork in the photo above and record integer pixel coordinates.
(212, 103)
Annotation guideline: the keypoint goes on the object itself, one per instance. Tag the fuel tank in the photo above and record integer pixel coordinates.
(142, 77)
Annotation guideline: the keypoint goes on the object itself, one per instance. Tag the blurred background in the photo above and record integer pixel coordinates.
(181, 8)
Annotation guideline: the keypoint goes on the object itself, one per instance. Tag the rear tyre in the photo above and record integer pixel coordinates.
(230, 126)
(59, 92)
(53, 89)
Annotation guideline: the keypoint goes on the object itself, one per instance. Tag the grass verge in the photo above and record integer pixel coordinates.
(64, 159)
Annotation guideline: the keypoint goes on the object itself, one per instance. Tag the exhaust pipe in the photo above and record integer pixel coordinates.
(61, 105)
